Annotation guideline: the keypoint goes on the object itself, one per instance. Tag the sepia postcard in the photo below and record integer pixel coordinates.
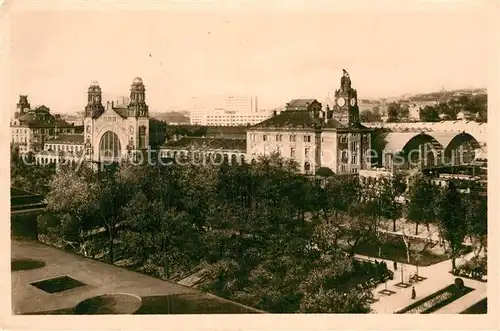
(263, 165)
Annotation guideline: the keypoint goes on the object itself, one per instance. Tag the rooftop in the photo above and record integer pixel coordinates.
(41, 117)
(208, 143)
(21, 200)
(300, 120)
(75, 139)
(97, 278)
(300, 104)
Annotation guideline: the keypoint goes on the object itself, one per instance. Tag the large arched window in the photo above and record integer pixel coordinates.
(109, 146)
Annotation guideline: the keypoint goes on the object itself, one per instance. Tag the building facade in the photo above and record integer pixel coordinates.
(226, 111)
(31, 128)
(222, 117)
(236, 103)
(316, 138)
(112, 133)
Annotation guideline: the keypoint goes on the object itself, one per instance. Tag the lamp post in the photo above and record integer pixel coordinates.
(402, 268)
(417, 260)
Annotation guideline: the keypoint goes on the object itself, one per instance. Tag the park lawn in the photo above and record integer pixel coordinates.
(394, 249)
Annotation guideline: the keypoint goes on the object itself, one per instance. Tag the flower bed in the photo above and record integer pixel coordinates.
(436, 300)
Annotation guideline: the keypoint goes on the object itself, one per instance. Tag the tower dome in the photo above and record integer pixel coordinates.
(137, 80)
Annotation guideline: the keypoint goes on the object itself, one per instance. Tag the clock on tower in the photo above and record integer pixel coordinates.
(346, 101)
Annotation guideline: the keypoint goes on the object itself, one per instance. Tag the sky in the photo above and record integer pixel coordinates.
(275, 55)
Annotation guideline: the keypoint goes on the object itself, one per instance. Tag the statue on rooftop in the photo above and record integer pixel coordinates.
(345, 81)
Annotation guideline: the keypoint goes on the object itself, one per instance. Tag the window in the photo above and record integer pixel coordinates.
(306, 153)
(307, 139)
(343, 139)
(342, 167)
(109, 145)
(252, 136)
(365, 138)
(278, 137)
(354, 170)
(264, 137)
(354, 159)
(354, 146)
(278, 150)
(292, 138)
(292, 152)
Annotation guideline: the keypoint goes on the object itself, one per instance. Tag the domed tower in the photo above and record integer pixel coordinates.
(137, 106)
(94, 107)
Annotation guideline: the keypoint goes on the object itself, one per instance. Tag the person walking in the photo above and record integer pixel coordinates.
(395, 265)
(413, 293)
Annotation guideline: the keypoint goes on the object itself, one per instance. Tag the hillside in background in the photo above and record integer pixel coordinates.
(180, 117)
(446, 95)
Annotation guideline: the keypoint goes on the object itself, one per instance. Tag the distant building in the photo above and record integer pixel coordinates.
(76, 120)
(316, 138)
(232, 103)
(226, 111)
(110, 132)
(222, 117)
(30, 128)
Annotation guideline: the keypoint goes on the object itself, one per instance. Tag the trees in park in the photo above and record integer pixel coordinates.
(70, 201)
(476, 215)
(265, 235)
(388, 198)
(451, 219)
(421, 202)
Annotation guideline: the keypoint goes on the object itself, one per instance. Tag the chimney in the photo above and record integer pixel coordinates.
(275, 113)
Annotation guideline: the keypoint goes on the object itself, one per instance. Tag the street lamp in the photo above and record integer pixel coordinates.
(402, 268)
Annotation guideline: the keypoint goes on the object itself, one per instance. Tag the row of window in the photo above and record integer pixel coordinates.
(307, 151)
(343, 168)
(237, 116)
(344, 139)
(21, 130)
(16, 139)
(307, 138)
(60, 147)
(279, 137)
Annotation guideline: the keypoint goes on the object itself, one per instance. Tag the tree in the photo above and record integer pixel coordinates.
(451, 220)
(476, 207)
(111, 194)
(393, 112)
(404, 112)
(70, 201)
(420, 207)
(369, 116)
(158, 236)
(336, 302)
(25, 175)
(389, 191)
(429, 114)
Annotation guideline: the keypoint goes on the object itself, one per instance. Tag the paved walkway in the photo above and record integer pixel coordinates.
(437, 277)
